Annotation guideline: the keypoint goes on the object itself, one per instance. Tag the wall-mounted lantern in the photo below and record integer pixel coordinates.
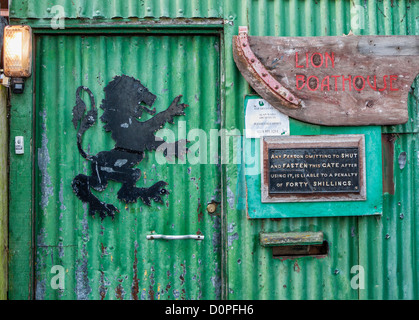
(17, 55)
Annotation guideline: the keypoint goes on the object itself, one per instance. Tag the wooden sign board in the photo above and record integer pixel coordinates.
(313, 168)
(334, 81)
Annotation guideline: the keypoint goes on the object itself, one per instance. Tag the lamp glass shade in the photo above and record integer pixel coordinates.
(17, 51)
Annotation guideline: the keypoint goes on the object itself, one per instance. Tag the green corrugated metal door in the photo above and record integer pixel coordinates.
(112, 259)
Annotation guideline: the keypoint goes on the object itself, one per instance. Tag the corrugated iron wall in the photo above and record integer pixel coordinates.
(110, 9)
(386, 247)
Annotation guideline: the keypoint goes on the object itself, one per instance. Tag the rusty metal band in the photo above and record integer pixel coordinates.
(258, 67)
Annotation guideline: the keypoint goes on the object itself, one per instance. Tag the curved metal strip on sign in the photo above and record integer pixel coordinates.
(258, 67)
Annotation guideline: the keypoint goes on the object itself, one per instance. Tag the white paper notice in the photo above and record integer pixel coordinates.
(264, 120)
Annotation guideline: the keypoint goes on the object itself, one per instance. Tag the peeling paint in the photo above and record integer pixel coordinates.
(40, 289)
(104, 284)
(60, 250)
(61, 198)
(143, 294)
(82, 281)
(103, 250)
(42, 251)
(230, 198)
(231, 238)
(83, 288)
(296, 267)
(120, 162)
(168, 286)
(47, 190)
(199, 211)
(230, 227)
(182, 276)
(216, 235)
(135, 287)
(402, 160)
(152, 282)
(119, 291)
(216, 281)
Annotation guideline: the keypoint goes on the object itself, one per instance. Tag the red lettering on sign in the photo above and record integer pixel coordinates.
(393, 77)
(300, 78)
(385, 84)
(331, 58)
(375, 83)
(326, 83)
(343, 82)
(316, 60)
(309, 83)
(296, 61)
(356, 83)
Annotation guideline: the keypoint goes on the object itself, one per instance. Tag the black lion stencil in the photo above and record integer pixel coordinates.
(125, 101)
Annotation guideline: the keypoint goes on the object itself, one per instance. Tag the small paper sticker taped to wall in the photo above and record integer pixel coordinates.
(263, 120)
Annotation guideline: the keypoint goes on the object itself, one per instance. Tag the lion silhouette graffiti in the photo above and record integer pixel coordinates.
(125, 101)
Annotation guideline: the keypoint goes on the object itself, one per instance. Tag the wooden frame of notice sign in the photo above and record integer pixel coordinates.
(313, 168)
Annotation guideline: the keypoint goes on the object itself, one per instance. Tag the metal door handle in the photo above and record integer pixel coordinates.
(179, 237)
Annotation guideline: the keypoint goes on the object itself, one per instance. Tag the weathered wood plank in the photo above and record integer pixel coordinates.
(389, 46)
(339, 81)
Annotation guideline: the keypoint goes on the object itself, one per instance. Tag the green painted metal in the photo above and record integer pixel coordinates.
(4, 138)
(390, 265)
(386, 247)
(113, 259)
(371, 206)
(21, 197)
(390, 251)
(109, 9)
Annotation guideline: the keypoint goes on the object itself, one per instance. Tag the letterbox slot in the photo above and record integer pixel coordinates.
(296, 251)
